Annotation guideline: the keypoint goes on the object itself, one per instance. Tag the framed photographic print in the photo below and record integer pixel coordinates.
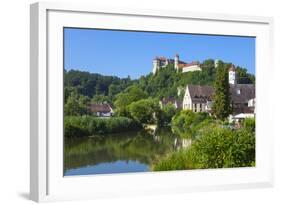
(127, 102)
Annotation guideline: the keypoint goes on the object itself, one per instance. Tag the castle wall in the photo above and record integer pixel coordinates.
(191, 68)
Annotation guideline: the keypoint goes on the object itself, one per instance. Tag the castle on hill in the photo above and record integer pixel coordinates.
(160, 62)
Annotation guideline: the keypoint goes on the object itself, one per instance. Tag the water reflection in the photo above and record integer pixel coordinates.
(119, 153)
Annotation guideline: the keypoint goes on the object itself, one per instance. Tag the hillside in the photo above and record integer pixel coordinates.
(164, 83)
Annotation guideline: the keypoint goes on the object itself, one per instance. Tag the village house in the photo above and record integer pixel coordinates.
(101, 109)
(160, 62)
(172, 101)
(198, 98)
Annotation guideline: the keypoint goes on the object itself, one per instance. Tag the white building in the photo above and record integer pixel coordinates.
(198, 98)
(252, 102)
(101, 109)
(193, 66)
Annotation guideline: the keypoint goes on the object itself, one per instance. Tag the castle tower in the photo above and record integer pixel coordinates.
(155, 65)
(216, 63)
(177, 58)
(232, 75)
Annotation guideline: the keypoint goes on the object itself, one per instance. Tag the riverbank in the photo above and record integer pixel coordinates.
(214, 147)
(83, 126)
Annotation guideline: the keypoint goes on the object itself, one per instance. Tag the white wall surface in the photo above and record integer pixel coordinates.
(14, 101)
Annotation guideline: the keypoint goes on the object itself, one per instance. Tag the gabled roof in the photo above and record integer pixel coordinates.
(200, 93)
(95, 107)
(242, 93)
(239, 93)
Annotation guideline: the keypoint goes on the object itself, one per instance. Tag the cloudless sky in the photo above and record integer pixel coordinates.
(123, 53)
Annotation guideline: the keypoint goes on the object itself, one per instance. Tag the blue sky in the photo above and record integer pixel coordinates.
(123, 53)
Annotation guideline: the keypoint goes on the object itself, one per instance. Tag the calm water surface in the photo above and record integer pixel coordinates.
(119, 153)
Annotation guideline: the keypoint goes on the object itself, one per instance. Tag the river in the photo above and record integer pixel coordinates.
(119, 153)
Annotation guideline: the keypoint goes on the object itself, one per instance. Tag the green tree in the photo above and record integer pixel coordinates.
(100, 99)
(124, 99)
(167, 113)
(243, 77)
(145, 110)
(76, 105)
(221, 106)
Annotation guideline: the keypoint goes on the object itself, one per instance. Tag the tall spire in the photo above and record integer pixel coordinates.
(177, 58)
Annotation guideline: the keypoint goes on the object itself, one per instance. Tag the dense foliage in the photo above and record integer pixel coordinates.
(166, 115)
(187, 123)
(76, 105)
(82, 126)
(145, 110)
(164, 83)
(221, 106)
(214, 147)
(222, 147)
(250, 124)
(124, 99)
(92, 84)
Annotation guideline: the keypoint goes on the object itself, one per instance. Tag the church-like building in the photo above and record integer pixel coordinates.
(198, 98)
(160, 62)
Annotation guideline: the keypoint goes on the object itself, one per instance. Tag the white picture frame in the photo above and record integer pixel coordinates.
(46, 176)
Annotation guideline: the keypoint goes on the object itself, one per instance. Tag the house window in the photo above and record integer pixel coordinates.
(200, 105)
(195, 107)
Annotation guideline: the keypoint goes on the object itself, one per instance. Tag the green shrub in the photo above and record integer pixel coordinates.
(250, 124)
(81, 126)
(179, 160)
(210, 150)
(189, 122)
(166, 114)
(215, 147)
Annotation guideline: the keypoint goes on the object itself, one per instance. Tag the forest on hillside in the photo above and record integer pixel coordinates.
(92, 87)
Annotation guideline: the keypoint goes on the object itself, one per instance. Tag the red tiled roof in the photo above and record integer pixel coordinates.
(192, 63)
(181, 65)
